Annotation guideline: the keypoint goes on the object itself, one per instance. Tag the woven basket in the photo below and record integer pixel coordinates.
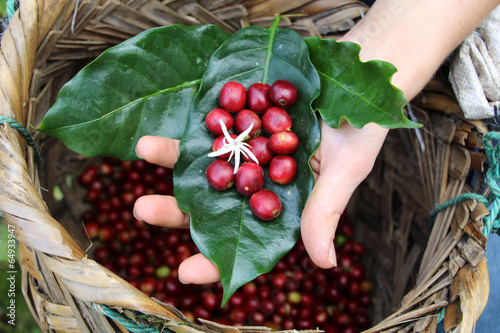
(419, 267)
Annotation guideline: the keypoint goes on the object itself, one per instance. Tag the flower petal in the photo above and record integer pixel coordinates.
(222, 151)
(252, 156)
(236, 161)
(226, 133)
(244, 134)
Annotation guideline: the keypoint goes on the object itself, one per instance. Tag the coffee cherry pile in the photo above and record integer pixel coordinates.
(263, 135)
(295, 294)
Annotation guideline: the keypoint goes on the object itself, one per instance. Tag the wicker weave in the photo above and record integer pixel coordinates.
(419, 270)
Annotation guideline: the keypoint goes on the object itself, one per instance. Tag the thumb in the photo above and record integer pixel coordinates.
(346, 156)
(321, 215)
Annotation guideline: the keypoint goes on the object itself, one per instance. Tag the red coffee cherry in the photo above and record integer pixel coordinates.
(261, 149)
(220, 175)
(233, 97)
(213, 118)
(284, 143)
(282, 169)
(266, 205)
(283, 93)
(219, 142)
(258, 98)
(249, 178)
(276, 119)
(244, 119)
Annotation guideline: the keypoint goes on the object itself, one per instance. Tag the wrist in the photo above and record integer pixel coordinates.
(411, 74)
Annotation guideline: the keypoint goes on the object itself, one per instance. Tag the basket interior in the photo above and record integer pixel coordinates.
(389, 211)
(416, 170)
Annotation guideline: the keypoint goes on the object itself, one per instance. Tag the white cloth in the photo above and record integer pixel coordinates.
(475, 70)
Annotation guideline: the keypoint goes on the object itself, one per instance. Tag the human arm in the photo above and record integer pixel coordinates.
(415, 36)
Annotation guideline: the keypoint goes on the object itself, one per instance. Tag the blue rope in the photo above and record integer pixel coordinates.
(27, 136)
(456, 200)
(127, 322)
(11, 8)
(491, 221)
(492, 150)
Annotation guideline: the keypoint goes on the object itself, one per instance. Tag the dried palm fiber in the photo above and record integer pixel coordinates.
(419, 268)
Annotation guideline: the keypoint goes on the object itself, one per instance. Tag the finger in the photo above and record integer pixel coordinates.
(161, 210)
(320, 218)
(158, 150)
(347, 156)
(315, 164)
(198, 270)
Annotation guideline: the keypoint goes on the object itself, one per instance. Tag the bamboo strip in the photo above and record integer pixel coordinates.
(410, 316)
(90, 282)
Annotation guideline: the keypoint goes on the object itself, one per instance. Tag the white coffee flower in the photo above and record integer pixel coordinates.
(235, 146)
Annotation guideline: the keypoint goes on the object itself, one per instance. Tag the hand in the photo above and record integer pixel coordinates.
(162, 210)
(343, 160)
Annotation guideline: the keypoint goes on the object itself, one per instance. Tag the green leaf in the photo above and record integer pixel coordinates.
(222, 224)
(359, 92)
(143, 86)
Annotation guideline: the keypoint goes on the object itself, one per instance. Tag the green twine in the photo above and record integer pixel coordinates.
(491, 221)
(456, 200)
(127, 322)
(492, 150)
(27, 136)
(11, 8)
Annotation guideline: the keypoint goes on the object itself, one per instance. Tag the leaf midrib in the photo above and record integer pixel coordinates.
(167, 90)
(272, 36)
(264, 67)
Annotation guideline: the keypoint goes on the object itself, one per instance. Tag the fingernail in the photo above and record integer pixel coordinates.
(179, 277)
(135, 216)
(137, 153)
(332, 257)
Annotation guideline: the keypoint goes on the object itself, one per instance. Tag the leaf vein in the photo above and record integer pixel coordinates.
(133, 70)
(354, 93)
(190, 51)
(179, 76)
